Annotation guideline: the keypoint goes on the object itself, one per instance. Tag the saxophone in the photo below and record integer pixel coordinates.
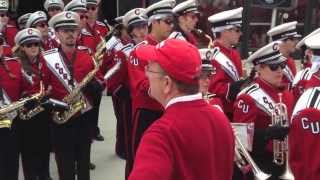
(5, 120)
(75, 99)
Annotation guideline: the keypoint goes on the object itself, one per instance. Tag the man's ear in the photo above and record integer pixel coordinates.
(168, 84)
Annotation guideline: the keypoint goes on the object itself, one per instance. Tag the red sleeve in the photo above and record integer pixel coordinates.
(220, 82)
(154, 159)
(292, 66)
(11, 33)
(245, 109)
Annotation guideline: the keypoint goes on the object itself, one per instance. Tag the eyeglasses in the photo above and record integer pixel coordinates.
(167, 21)
(54, 9)
(29, 45)
(42, 24)
(147, 69)
(83, 17)
(4, 15)
(274, 67)
(92, 8)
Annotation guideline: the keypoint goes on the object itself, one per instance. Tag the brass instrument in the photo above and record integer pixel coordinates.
(245, 162)
(16, 106)
(75, 99)
(207, 36)
(281, 148)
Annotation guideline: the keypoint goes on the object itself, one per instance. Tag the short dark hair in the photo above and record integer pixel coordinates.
(187, 88)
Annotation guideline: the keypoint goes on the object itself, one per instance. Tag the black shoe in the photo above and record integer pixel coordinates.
(92, 166)
(99, 137)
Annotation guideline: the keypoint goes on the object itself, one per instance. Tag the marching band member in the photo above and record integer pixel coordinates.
(287, 33)
(39, 20)
(85, 38)
(9, 31)
(256, 102)
(304, 75)
(187, 15)
(145, 109)
(304, 131)
(34, 133)
(226, 81)
(168, 151)
(22, 20)
(68, 65)
(53, 7)
(11, 88)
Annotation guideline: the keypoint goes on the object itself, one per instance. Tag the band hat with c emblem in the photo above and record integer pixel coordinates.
(268, 54)
(53, 3)
(76, 5)
(4, 5)
(178, 58)
(119, 20)
(35, 18)
(284, 31)
(186, 7)
(27, 35)
(226, 20)
(92, 2)
(65, 20)
(160, 9)
(302, 41)
(313, 42)
(22, 20)
(134, 16)
(206, 57)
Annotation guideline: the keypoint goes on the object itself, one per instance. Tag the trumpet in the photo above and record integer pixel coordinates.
(245, 162)
(280, 148)
(207, 36)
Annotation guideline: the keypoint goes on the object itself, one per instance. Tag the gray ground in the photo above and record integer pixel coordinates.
(109, 166)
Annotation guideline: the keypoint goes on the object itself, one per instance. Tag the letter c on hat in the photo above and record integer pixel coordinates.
(275, 47)
(30, 31)
(68, 15)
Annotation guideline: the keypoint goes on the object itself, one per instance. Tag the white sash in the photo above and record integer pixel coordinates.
(288, 73)
(261, 98)
(114, 43)
(304, 74)
(226, 64)
(6, 101)
(309, 99)
(58, 67)
(177, 35)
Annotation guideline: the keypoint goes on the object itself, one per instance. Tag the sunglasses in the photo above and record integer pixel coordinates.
(42, 24)
(167, 21)
(4, 15)
(29, 45)
(54, 9)
(92, 8)
(84, 17)
(274, 67)
(1, 41)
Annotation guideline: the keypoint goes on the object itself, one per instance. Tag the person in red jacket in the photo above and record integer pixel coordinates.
(187, 17)
(11, 88)
(9, 31)
(39, 20)
(287, 33)
(53, 7)
(256, 102)
(168, 151)
(226, 83)
(34, 131)
(68, 65)
(304, 131)
(145, 109)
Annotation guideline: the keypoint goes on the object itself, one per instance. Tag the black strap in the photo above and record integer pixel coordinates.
(69, 63)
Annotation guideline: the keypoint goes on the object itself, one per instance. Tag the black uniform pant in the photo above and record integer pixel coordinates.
(9, 157)
(94, 117)
(143, 118)
(71, 144)
(35, 146)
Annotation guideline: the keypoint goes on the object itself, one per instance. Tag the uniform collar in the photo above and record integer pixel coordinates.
(151, 40)
(222, 47)
(186, 98)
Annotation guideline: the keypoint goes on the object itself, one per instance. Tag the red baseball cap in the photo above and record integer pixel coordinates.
(180, 59)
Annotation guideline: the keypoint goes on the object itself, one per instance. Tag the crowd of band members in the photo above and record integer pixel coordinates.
(157, 81)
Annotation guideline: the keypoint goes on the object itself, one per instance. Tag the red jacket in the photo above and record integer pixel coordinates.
(246, 109)
(197, 144)
(98, 30)
(138, 82)
(82, 65)
(87, 39)
(13, 86)
(49, 43)
(9, 33)
(305, 145)
(220, 82)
